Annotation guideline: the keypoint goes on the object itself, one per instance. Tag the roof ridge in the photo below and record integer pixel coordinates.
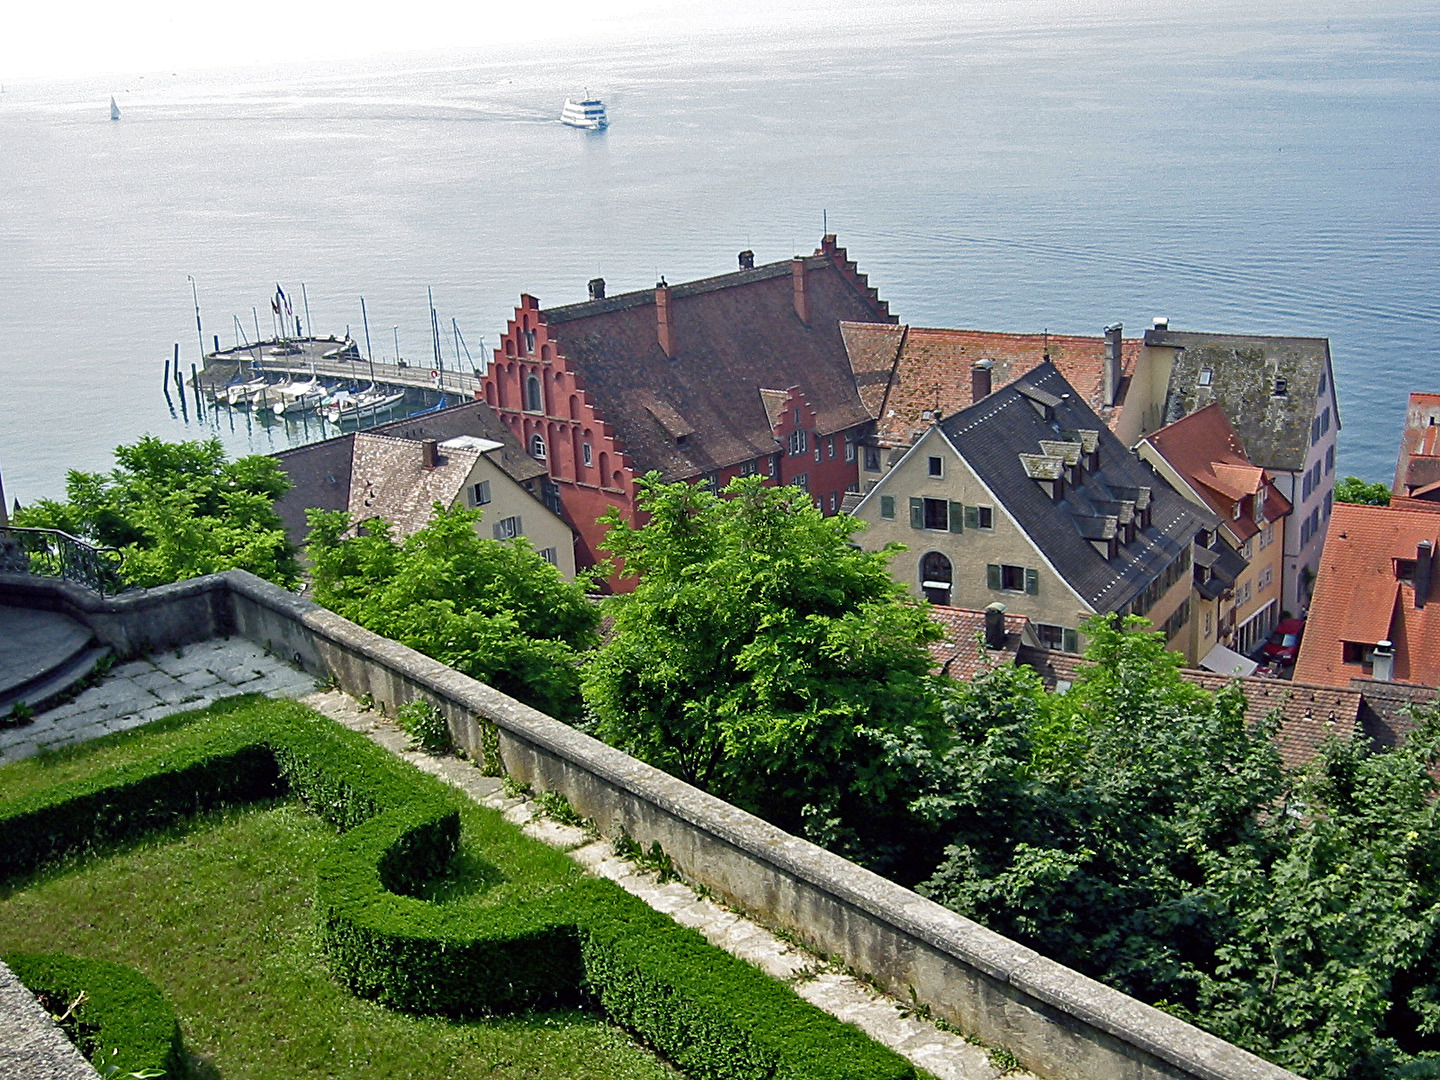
(640, 297)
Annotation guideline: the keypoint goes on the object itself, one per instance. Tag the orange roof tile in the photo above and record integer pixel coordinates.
(960, 653)
(904, 371)
(1204, 449)
(1359, 597)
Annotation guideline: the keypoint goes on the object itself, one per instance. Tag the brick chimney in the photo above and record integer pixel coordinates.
(663, 333)
(747, 260)
(980, 380)
(1112, 362)
(1424, 571)
(429, 453)
(797, 280)
(597, 288)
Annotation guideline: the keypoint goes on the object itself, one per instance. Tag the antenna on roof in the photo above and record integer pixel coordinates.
(1047, 345)
(824, 222)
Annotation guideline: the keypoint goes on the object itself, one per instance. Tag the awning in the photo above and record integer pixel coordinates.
(1225, 661)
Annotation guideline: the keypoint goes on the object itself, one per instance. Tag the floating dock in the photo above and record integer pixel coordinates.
(329, 358)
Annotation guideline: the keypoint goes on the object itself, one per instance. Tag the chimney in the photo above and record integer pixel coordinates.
(429, 453)
(1112, 362)
(995, 626)
(980, 380)
(1424, 571)
(747, 260)
(1383, 662)
(663, 332)
(597, 288)
(797, 280)
(1161, 323)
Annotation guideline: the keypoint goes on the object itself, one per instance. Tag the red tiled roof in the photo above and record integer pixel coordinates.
(961, 653)
(1205, 450)
(734, 335)
(903, 371)
(1309, 713)
(1419, 461)
(1359, 598)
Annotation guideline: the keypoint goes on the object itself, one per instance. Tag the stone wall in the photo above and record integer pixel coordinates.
(1057, 1023)
(31, 1046)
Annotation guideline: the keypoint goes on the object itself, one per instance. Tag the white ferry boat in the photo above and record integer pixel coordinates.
(588, 114)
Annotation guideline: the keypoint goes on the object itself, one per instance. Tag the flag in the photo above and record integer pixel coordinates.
(281, 298)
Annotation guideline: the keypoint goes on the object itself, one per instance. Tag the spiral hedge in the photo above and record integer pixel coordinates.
(712, 1015)
(123, 1018)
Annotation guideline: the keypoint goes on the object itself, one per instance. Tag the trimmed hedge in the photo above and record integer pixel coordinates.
(123, 1011)
(711, 1014)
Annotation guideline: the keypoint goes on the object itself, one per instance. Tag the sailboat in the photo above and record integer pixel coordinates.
(114, 109)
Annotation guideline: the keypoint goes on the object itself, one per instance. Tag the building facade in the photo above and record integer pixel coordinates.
(740, 374)
(1027, 499)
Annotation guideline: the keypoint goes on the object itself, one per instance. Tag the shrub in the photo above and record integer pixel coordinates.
(712, 1014)
(425, 724)
(123, 1020)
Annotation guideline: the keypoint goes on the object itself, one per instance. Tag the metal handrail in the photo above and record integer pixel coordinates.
(52, 553)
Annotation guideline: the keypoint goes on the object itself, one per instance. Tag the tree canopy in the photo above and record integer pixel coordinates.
(766, 659)
(176, 511)
(1138, 829)
(1354, 490)
(494, 609)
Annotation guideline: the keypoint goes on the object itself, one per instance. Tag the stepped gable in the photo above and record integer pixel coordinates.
(1309, 712)
(906, 371)
(699, 407)
(1417, 471)
(1366, 592)
(1001, 439)
(1244, 369)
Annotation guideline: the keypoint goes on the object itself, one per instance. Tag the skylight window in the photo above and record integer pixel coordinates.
(1205, 375)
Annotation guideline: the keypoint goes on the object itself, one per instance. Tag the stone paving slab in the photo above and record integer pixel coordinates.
(32, 1047)
(139, 691)
(944, 1054)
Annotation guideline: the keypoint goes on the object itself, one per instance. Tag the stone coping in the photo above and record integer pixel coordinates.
(320, 640)
(32, 1046)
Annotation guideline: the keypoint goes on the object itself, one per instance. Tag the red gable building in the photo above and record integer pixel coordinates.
(744, 373)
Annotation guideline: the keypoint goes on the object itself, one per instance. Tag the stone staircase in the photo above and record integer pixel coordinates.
(43, 657)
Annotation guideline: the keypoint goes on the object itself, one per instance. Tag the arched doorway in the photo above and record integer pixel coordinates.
(936, 577)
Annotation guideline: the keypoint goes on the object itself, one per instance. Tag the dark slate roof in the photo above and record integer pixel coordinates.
(992, 434)
(735, 335)
(1274, 429)
(320, 472)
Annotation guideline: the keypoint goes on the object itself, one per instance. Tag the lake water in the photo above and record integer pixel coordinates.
(1265, 168)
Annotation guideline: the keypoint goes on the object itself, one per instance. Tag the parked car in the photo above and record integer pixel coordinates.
(1284, 644)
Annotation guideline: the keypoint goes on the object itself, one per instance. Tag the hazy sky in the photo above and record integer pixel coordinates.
(87, 37)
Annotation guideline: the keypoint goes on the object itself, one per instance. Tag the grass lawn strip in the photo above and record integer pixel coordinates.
(709, 1013)
(898, 1025)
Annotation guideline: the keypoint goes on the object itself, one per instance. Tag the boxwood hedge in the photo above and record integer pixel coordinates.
(711, 1014)
(123, 1019)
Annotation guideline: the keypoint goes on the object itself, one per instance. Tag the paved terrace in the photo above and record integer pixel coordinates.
(196, 675)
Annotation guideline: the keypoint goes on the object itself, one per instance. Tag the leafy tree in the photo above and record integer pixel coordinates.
(1354, 490)
(766, 659)
(176, 511)
(493, 609)
(1138, 829)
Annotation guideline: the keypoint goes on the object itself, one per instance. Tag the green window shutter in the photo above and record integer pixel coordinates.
(992, 576)
(957, 518)
(972, 517)
(1070, 641)
(1032, 581)
(887, 506)
(917, 513)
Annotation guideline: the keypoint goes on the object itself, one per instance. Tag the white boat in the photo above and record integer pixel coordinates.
(114, 110)
(240, 393)
(295, 398)
(588, 113)
(347, 408)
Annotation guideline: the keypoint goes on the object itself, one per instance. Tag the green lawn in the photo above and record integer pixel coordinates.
(217, 911)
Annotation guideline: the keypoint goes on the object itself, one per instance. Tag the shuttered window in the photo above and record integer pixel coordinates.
(957, 518)
(887, 506)
(917, 513)
(1006, 578)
